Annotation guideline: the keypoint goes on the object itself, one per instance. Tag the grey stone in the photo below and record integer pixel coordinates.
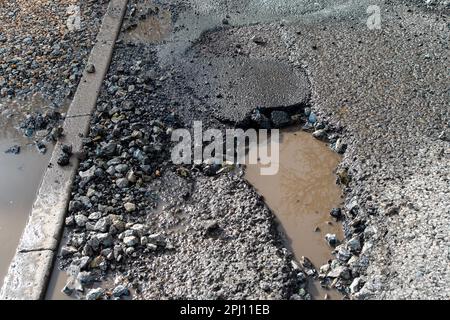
(131, 241)
(122, 183)
(102, 224)
(280, 119)
(331, 239)
(129, 207)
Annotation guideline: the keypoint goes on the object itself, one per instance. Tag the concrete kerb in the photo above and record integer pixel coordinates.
(30, 269)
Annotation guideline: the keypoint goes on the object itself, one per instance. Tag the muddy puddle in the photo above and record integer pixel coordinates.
(20, 174)
(301, 195)
(151, 24)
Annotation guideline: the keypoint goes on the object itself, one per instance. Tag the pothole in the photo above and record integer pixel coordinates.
(301, 195)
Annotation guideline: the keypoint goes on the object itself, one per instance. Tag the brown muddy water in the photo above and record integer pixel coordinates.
(301, 195)
(155, 27)
(20, 175)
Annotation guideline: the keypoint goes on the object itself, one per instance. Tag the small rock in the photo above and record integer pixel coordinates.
(81, 220)
(67, 149)
(336, 213)
(105, 239)
(94, 294)
(320, 134)
(259, 40)
(70, 221)
(131, 241)
(121, 168)
(122, 183)
(355, 285)
(354, 245)
(131, 177)
(343, 254)
(331, 239)
(63, 160)
(109, 149)
(211, 227)
(260, 119)
(339, 272)
(280, 119)
(340, 146)
(85, 277)
(88, 174)
(90, 68)
(312, 118)
(13, 150)
(67, 251)
(120, 290)
(41, 148)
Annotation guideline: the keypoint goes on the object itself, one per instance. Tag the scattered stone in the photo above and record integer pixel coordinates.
(331, 239)
(340, 146)
(102, 224)
(354, 244)
(88, 174)
(109, 149)
(68, 251)
(260, 119)
(320, 134)
(312, 118)
(259, 40)
(90, 68)
(41, 147)
(81, 220)
(355, 285)
(122, 183)
(85, 277)
(280, 119)
(70, 221)
(445, 136)
(63, 160)
(343, 254)
(212, 228)
(131, 241)
(120, 291)
(131, 177)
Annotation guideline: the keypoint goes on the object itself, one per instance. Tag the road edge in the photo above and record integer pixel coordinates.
(29, 272)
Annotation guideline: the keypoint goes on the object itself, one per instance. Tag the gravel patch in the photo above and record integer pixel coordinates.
(38, 53)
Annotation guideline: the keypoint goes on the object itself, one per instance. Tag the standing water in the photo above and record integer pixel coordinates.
(301, 195)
